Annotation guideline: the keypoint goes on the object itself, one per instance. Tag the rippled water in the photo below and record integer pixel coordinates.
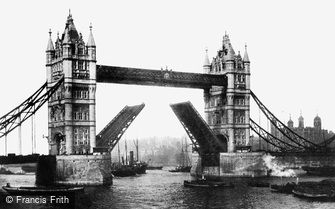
(162, 189)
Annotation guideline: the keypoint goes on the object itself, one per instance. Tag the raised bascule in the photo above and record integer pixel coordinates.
(78, 155)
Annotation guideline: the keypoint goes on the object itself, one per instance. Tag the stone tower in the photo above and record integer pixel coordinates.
(290, 123)
(71, 109)
(301, 122)
(227, 108)
(317, 123)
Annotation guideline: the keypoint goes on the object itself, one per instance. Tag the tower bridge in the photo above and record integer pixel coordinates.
(72, 76)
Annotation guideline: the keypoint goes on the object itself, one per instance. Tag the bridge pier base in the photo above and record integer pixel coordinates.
(74, 170)
(249, 164)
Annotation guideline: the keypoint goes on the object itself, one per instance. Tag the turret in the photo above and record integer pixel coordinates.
(301, 121)
(246, 61)
(50, 49)
(66, 44)
(228, 53)
(207, 65)
(317, 122)
(91, 48)
(290, 123)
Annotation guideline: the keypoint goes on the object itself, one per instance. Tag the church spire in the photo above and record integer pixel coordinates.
(91, 41)
(50, 46)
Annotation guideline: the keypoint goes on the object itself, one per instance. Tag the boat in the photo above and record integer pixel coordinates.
(123, 171)
(131, 167)
(40, 190)
(154, 167)
(284, 188)
(322, 190)
(207, 184)
(140, 167)
(181, 168)
(311, 196)
(319, 170)
(185, 163)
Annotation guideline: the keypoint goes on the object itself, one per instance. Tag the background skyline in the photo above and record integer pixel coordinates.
(290, 46)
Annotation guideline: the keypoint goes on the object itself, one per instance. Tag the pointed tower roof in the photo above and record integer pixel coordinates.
(239, 55)
(246, 57)
(70, 31)
(91, 41)
(66, 37)
(206, 61)
(229, 53)
(50, 46)
(290, 119)
(300, 117)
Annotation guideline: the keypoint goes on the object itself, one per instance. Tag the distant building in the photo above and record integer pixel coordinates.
(315, 134)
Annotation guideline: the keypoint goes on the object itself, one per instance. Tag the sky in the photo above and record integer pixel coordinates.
(290, 46)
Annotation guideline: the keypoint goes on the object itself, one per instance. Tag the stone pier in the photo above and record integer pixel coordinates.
(90, 170)
(248, 164)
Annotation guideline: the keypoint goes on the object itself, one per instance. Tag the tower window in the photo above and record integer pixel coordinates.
(86, 116)
(80, 51)
(85, 94)
(73, 49)
(76, 135)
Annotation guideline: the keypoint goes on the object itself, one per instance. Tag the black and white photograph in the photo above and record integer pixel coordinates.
(167, 104)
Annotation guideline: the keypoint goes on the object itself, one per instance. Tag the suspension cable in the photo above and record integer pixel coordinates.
(30, 106)
(286, 131)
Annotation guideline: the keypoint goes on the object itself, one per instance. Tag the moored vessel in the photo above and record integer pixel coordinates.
(284, 188)
(40, 190)
(207, 184)
(322, 190)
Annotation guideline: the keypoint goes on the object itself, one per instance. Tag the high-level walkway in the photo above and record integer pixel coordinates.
(126, 75)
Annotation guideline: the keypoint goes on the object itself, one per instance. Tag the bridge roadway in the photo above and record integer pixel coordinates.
(126, 75)
(113, 131)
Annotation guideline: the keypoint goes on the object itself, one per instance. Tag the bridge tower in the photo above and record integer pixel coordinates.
(227, 109)
(71, 110)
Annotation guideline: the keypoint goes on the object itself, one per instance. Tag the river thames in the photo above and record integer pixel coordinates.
(162, 189)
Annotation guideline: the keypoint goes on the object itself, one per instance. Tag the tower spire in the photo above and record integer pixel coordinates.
(70, 15)
(91, 41)
(246, 57)
(206, 61)
(50, 46)
(207, 65)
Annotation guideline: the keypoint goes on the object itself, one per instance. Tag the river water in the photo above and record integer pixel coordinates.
(162, 189)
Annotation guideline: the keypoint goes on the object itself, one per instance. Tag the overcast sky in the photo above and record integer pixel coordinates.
(290, 43)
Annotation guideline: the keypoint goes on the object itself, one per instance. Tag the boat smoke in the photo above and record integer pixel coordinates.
(277, 170)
